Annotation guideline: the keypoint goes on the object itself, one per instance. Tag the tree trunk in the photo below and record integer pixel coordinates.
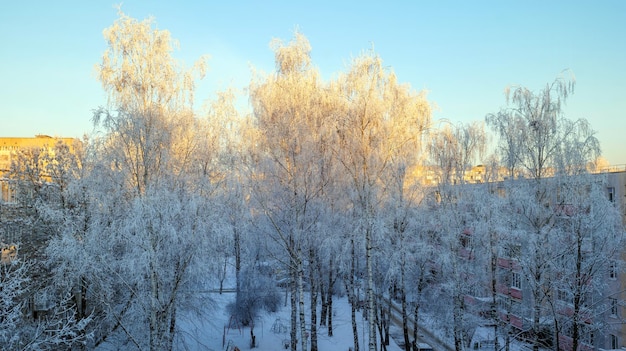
(172, 327)
(294, 306)
(458, 322)
(324, 302)
(252, 336)
(329, 312)
(415, 324)
(352, 298)
(405, 321)
(237, 239)
(303, 332)
(328, 307)
(379, 325)
(580, 282)
(355, 330)
(387, 322)
(557, 333)
(222, 274)
(370, 290)
(494, 292)
(312, 278)
(154, 310)
(81, 305)
(537, 312)
(509, 307)
(82, 299)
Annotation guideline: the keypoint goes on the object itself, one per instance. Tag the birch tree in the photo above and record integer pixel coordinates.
(532, 129)
(330, 262)
(150, 97)
(368, 143)
(223, 161)
(143, 242)
(138, 71)
(590, 236)
(289, 107)
(539, 143)
(403, 192)
(452, 151)
(493, 235)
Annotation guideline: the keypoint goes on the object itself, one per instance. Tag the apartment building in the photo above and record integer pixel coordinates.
(9, 148)
(615, 316)
(605, 328)
(12, 225)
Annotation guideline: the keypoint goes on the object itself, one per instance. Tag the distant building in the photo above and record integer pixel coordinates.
(10, 146)
(616, 278)
(514, 296)
(14, 228)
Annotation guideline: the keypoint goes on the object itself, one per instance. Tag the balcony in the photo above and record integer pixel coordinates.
(509, 291)
(513, 320)
(508, 263)
(565, 343)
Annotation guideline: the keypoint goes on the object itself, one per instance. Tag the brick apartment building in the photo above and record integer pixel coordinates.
(514, 296)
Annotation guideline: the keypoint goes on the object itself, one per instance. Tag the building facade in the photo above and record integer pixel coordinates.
(604, 325)
(12, 215)
(10, 147)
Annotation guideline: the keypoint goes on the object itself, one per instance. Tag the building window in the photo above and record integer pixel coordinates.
(563, 295)
(503, 304)
(466, 241)
(7, 192)
(516, 280)
(614, 307)
(516, 307)
(613, 270)
(614, 342)
(611, 193)
(9, 253)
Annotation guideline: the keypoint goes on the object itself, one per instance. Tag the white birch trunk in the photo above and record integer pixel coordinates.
(371, 321)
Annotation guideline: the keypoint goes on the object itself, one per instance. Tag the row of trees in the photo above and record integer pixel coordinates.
(322, 186)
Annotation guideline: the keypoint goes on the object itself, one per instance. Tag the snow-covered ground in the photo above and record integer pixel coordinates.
(211, 330)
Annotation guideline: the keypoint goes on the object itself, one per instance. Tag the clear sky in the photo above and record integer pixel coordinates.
(463, 52)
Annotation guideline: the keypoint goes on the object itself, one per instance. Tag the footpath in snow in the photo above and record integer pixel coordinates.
(215, 330)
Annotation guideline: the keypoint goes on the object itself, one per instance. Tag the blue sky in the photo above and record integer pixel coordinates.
(464, 53)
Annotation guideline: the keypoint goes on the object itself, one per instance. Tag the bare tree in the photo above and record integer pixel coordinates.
(452, 151)
(538, 142)
(590, 236)
(290, 110)
(18, 331)
(142, 240)
(381, 120)
(532, 130)
(138, 71)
